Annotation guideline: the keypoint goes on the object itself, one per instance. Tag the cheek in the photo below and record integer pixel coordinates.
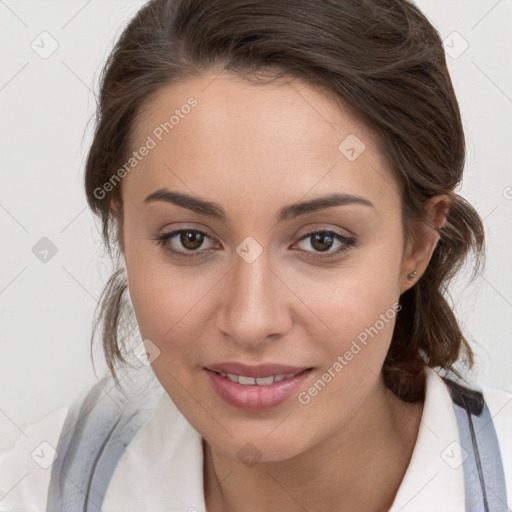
(168, 309)
(166, 301)
(352, 328)
(163, 295)
(355, 307)
(351, 297)
(173, 308)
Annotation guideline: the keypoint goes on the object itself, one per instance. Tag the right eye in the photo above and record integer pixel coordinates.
(190, 241)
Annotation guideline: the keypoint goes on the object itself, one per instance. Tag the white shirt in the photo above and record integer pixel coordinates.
(162, 467)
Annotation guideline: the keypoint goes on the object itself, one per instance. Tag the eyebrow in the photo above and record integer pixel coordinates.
(289, 212)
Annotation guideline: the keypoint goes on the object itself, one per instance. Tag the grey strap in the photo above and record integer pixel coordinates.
(95, 433)
(484, 477)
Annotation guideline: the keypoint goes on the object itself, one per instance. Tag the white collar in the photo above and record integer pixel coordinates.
(163, 464)
(434, 479)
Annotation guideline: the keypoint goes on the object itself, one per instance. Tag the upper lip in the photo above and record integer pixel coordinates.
(262, 370)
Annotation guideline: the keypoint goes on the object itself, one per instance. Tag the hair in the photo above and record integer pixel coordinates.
(383, 59)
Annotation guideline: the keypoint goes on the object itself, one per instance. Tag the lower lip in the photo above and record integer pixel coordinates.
(255, 397)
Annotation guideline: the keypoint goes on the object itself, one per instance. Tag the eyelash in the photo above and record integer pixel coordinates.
(347, 243)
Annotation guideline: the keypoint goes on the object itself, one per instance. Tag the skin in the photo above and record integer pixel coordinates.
(253, 149)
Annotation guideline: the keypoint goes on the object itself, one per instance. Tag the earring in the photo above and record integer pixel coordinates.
(412, 275)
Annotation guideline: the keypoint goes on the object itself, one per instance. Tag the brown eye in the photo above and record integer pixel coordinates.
(330, 243)
(321, 242)
(184, 242)
(191, 240)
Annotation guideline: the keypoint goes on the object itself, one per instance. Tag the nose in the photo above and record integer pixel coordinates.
(255, 304)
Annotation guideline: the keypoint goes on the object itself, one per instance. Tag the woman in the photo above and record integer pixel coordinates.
(277, 180)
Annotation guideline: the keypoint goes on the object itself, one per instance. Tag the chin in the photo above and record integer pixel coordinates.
(259, 446)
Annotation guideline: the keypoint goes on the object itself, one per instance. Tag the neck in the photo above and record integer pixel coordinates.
(360, 467)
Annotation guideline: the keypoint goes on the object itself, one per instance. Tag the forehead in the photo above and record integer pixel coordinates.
(222, 135)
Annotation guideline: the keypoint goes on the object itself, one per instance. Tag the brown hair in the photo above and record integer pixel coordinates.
(381, 57)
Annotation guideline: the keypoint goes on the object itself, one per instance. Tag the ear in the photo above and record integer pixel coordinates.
(419, 251)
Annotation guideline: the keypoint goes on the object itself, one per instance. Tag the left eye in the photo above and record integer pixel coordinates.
(322, 241)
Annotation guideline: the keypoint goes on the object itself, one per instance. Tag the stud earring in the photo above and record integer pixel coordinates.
(412, 275)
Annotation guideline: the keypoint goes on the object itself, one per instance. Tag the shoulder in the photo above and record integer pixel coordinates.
(499, 402)
(28, 469)
(70, 440)
(499, 419)
(25, 468)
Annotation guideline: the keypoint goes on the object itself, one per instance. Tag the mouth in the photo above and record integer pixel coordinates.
(255, 393)
(246, 380)
(246, 372)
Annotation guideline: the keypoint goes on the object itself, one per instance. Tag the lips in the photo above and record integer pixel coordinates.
(259, 371)
(256, 396)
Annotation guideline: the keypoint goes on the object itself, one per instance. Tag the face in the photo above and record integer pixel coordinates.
(245, 277)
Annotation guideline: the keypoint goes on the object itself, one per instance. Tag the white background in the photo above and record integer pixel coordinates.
(45, 122)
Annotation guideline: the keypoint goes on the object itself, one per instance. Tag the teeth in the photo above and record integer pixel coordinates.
(246, 380)
(260, 381)
(264, 381)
